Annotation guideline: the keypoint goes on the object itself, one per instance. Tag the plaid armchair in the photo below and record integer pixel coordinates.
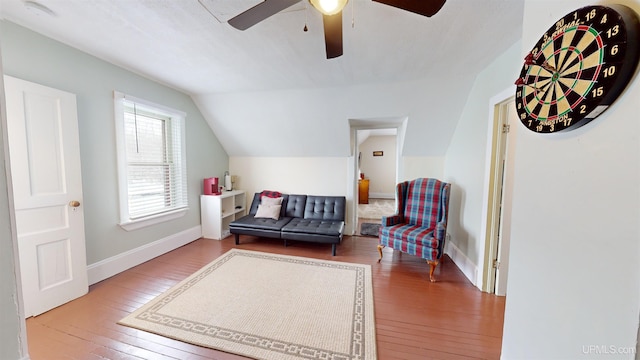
(419, 225)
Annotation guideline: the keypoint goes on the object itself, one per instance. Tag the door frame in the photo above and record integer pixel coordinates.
(398, 123)
(22, 335)
(489, 226)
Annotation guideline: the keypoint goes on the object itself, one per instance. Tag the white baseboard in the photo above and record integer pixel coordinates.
(116, 264)
(382, 196)
(468, 268)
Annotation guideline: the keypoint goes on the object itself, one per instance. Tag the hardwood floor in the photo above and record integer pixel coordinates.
(415, 319)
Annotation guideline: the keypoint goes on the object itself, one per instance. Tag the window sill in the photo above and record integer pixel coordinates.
(152, 220)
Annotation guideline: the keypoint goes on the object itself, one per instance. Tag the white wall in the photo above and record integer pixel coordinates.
(380, 170)
(466, 162)
(294, 175)
(574, 277)
(315, 122)
(291, 175)
(422, 166)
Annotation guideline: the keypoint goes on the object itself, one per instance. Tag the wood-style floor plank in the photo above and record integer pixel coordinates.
(415, 319)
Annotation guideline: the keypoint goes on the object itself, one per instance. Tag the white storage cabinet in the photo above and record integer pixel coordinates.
(218, 211)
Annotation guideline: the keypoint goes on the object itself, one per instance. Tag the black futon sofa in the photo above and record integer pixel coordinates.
(310, 218)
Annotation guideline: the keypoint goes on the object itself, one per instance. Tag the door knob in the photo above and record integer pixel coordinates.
(74, 203)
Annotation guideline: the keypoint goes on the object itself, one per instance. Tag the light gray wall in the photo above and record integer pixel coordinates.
(39, 59)
(466, 157)
(574, 275)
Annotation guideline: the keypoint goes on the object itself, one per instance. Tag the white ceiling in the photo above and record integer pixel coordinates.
(187, 44)
(363, 135)
(255, 84)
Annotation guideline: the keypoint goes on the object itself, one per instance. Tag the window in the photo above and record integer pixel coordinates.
(151, 162)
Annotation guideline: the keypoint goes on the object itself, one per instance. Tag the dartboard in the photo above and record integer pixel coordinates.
(578, 68)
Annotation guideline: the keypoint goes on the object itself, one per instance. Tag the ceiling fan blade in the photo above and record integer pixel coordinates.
(422, 7)
(265, 9)
(333, 34)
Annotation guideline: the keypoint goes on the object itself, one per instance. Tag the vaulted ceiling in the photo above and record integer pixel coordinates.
(187, 44)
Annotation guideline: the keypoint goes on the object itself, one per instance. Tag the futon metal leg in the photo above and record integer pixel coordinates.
(380, 251)
(237, 236)
(333, 249)
(432, 268)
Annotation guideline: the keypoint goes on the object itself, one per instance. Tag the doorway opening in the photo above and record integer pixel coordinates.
(374, 171)
(376, 183)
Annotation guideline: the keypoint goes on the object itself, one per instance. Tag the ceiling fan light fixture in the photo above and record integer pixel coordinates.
(329, 7)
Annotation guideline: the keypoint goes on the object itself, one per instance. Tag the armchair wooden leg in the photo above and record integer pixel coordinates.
(380, 251)
(432, 268)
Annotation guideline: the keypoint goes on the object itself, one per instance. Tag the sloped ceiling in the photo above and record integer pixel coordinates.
(187, 44)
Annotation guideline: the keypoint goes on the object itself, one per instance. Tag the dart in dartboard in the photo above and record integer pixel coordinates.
(530, 59)
(521, 82)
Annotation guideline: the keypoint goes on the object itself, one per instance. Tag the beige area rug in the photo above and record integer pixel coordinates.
(376, 208)
(269, 306)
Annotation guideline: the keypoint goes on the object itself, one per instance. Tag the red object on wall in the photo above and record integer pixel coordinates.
(211, 186)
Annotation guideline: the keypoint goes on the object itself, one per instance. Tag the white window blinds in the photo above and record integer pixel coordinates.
(151, 146)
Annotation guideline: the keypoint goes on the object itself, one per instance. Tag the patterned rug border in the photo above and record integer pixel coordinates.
(362, 336)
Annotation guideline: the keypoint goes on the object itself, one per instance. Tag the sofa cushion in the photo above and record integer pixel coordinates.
(325, 208)
(253, 208)
(268, 211)
(251, 222)
(311, 226)
(295, 206)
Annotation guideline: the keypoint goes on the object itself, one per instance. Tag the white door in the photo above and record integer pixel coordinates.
(47, 188)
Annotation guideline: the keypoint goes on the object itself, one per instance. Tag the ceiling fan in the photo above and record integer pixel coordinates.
(331, 16)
